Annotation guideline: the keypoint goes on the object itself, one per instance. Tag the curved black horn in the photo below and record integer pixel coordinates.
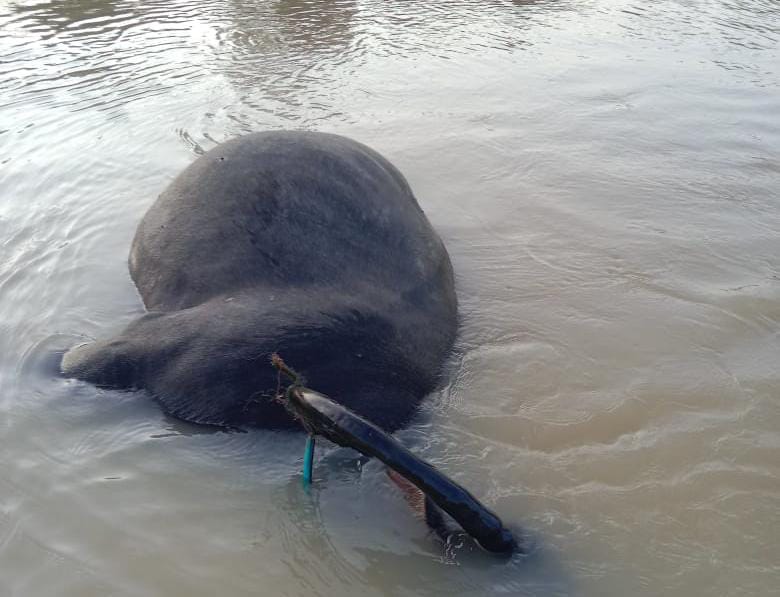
(321, 415)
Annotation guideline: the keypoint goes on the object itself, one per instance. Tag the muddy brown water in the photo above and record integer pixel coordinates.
(605, 174)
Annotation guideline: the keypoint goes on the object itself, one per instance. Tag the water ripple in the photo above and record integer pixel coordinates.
(604, 174)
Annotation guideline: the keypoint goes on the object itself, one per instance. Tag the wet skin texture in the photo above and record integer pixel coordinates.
(305, 244)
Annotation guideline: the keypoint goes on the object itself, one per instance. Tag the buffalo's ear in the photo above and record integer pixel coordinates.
(120, 362)
(109, 363)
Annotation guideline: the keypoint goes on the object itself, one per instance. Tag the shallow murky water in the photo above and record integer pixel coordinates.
(605, 174)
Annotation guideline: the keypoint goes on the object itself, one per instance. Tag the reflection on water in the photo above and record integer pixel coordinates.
(604, 173)
(321, 26)
(52, 18)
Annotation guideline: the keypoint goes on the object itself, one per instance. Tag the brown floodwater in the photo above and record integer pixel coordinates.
(606, 177)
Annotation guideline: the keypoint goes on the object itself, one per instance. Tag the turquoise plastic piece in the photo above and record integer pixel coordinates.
(308, 461)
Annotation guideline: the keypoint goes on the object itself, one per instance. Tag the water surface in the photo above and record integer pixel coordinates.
(605, 175)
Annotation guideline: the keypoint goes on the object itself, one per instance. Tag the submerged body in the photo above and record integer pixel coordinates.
(305, 244)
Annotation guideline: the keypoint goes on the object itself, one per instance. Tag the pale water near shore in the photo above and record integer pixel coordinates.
(605, 174)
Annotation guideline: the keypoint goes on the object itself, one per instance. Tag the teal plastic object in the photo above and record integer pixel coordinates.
(308, 461)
